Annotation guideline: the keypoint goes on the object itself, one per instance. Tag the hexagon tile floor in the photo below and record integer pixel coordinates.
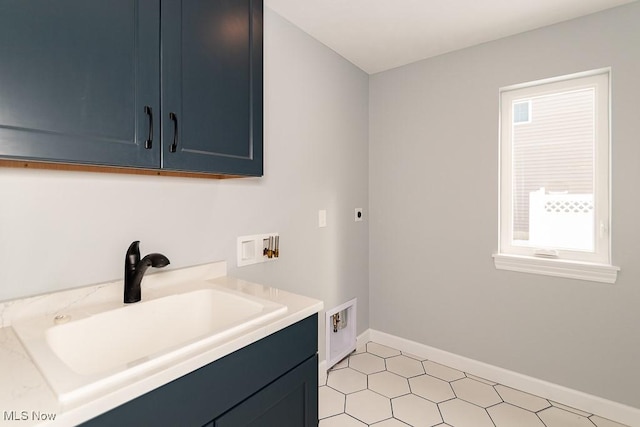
(383, 387)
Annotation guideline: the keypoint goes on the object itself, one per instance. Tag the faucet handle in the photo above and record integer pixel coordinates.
(133, 255)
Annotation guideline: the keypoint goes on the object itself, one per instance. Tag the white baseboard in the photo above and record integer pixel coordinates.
(596, 405)
(363, 338)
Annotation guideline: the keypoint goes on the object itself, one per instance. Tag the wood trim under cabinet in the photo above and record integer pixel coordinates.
(109, 169)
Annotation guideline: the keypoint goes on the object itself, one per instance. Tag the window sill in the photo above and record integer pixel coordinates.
(556, 267)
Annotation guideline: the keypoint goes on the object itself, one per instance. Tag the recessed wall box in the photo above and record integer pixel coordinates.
(340, 332)
(258, 248)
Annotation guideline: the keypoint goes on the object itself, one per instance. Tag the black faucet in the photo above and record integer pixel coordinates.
(134, 269)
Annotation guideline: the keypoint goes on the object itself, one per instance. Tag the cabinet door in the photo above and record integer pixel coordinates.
(75, 78)
(212, 86)
(290, 401)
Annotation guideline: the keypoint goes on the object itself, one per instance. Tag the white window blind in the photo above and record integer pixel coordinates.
(553, 156)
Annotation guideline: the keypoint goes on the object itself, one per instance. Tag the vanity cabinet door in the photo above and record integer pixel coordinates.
(291, 401)
(212, 86)
(75, 78)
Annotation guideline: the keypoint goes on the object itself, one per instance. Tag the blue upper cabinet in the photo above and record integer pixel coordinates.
(212, 86)
(153, 84)
(75, 79)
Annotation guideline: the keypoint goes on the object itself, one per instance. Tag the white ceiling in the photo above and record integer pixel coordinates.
(378, 35)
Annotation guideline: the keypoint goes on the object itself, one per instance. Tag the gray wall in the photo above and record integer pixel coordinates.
(433, 201)
(61, 230)
(434, 206)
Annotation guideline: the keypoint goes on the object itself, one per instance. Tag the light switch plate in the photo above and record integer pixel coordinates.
(322, 218)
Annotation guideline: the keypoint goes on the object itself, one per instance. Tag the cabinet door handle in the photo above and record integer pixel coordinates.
(174, 145)
(149, 142)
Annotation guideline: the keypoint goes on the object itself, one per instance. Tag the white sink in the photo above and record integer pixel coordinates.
(91, 352)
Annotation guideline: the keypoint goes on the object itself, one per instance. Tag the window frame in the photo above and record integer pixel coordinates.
(594, 265)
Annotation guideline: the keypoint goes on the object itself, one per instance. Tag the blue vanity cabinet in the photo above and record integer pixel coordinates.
(212, 86)
(75, 79)
(288, 402)
(272, 382)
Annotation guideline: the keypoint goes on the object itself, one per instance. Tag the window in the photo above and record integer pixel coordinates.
(522, 112)
(554, 177)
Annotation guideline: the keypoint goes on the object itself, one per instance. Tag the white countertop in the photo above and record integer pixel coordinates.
(27, 400)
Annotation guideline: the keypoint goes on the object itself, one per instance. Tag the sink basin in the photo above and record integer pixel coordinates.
(91, 352)
(104, 341)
